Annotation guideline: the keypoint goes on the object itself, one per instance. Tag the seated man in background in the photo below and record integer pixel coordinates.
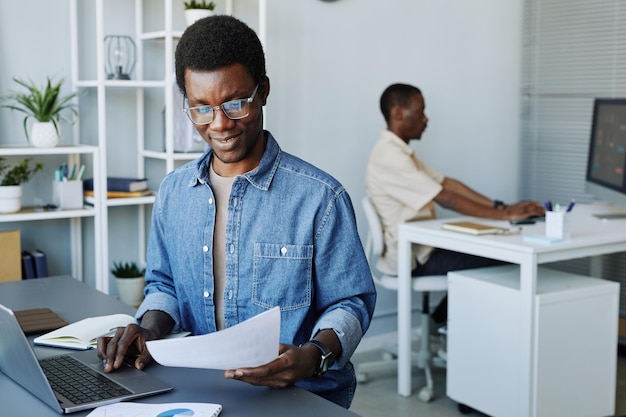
(247, 227)
(403, 189)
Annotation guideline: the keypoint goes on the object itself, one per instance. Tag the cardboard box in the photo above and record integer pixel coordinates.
(10, 256)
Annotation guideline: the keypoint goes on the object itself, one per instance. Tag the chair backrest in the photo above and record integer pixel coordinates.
(374, 247)
(375, 243)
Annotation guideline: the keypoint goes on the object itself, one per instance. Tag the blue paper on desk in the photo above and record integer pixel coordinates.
(251, 343)
(151, 410)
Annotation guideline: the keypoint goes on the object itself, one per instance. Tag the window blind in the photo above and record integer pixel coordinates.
(573, 52)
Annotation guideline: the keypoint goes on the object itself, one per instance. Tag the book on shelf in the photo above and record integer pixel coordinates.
(122, 194)
(473, 228)
(84, 334)
(120, 184)
(41, 263)
(28, 265)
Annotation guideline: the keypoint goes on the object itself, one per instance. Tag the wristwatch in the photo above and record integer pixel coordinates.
(497, 204)
(326, 359)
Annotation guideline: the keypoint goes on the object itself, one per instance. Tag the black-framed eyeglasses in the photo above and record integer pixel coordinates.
(234, 110)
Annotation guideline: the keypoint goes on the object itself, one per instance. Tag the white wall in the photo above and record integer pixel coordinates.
(328, 64)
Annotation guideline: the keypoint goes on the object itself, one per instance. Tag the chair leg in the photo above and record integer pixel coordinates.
(427, 393)
(422, 359)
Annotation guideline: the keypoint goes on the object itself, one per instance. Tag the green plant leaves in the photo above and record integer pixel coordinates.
(18, 174)
(43, 104)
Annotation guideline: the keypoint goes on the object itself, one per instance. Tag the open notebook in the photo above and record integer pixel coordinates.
(83, 334)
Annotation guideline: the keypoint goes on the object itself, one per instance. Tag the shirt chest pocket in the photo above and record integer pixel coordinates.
(282, 275)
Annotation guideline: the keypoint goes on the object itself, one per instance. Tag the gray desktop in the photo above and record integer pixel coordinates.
(74, 301)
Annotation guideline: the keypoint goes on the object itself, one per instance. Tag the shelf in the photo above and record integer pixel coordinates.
(58, 150)
(123, 84)
(155, 50)
(177, 156)
(29, 213)
(160, 35)
(117, 202)
(130, 201)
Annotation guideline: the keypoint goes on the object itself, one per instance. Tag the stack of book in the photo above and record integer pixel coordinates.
(120, 187)
(34, 264)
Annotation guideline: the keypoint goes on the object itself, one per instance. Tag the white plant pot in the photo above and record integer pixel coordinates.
(130, 290)
(44, 135)
(191, 15)
(10, 198)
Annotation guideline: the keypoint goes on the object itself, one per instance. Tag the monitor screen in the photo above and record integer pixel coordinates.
(607, 152)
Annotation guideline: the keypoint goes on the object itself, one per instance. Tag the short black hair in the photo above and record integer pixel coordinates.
(219, 41)
(396, 95)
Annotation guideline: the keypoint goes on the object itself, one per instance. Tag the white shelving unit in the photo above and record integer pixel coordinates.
(73, 154)
(167, 35)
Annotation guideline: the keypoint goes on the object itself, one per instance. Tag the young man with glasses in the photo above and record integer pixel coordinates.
(247, 227)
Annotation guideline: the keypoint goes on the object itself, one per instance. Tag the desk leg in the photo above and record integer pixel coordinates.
(528, 376)
(596, 267)
(404, 314)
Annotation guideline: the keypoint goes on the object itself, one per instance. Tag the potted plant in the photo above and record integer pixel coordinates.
(11, 183)
(129, 279)
(195, 10)
(45, 105)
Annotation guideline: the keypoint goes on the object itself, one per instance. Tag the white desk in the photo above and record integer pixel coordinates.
(589, 237)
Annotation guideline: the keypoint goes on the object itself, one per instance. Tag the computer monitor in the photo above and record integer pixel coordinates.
(606, 160)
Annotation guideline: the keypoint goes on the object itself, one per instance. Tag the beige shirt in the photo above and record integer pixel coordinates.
(221, 190)
(402, 189)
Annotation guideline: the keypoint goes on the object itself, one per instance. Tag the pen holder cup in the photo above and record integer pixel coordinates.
(557, 224)
(67, 194)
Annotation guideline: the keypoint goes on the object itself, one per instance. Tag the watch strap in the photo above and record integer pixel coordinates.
(325, 358)
(497, 204)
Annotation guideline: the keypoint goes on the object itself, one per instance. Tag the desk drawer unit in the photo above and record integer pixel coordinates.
(575, 333)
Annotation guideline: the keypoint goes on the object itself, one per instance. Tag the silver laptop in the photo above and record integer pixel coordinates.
(18, 361)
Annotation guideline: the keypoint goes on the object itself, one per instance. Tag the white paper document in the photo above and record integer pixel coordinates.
(128, 409)
(251, 343)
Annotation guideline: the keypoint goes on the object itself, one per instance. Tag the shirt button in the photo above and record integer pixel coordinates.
(210, 201)
(232, 248)
(283, 250)
(206, 294)
(230, 294)
(205, 248)
(234, 202)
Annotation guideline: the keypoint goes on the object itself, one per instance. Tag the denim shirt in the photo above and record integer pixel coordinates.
(291, 241)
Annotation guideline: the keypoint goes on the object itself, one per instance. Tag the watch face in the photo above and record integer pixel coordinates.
(325, 363)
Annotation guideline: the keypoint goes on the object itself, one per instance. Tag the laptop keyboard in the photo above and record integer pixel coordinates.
(77, 382)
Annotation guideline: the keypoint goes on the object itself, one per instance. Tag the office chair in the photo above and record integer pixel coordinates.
(421, 359)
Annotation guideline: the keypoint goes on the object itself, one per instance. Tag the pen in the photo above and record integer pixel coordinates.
(548, 205)
(63, 169)
(570, 206)
(71, 178)
(558, 207)
(81, 171)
